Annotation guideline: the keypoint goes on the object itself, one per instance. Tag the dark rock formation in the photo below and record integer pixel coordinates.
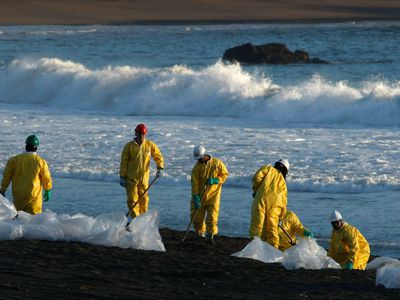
(269, 54)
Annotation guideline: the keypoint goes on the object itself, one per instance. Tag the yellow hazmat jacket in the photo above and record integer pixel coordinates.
(29, 174)
(135, 161)
(293, 227)
(270, 188)
(214, 168)
(348, 244)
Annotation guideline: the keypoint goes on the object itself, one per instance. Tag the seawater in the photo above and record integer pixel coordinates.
(83, 89)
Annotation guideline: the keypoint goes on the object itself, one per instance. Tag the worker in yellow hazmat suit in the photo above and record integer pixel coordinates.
(29, 174)
(348, 246)
(291, 225)
(208, 173)
(134, 169)
(270, 200)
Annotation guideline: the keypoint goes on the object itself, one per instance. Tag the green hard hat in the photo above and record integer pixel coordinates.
(32, 140)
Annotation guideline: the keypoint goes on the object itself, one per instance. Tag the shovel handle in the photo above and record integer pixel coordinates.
(140, 197)
(195, 213)
(287, 234)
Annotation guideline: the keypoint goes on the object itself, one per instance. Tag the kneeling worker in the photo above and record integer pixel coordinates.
(291, 226)
(348, 246)
(29, 174)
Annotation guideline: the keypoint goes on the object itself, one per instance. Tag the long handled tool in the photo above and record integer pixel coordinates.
(140, 197)
(288, 235)
(195, 213)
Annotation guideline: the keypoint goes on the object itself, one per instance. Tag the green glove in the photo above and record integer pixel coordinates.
(348, 266)
(211, 181)
(307, 233)
(196, 199)
(47, 195)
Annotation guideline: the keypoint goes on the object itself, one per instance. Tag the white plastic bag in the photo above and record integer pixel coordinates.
(388, 276)
(259, 250)
(7, 209)
(379, 262)
(308, 255)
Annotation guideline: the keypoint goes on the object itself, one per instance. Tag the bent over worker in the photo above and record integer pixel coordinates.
(270, 200)
(29, 174)
(208, 175)
(134, 170)
(291, 226)
(348, 246)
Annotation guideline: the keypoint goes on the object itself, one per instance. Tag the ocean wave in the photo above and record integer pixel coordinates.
(245, 183)
(61, 32)
(216, 90)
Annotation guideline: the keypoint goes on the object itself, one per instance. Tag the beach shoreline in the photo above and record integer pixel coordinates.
(178, 12)
(194, 269)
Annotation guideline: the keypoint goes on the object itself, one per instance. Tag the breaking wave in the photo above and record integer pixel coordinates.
(217, 90)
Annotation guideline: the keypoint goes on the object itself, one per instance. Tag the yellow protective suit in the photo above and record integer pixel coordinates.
(29, 174)
(348, 244)
(269, 205)
(135, 167)
(293, 227)
(213, 168)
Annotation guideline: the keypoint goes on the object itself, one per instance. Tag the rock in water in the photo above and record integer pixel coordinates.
(273, 53)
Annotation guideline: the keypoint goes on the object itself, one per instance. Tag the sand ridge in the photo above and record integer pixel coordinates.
(190, 270)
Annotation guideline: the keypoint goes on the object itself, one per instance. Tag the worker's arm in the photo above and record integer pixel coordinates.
(123, 168)
(7, 175)
(222, 172)
(350, 239)
(157, 156)
(45, 176)
(259, 177)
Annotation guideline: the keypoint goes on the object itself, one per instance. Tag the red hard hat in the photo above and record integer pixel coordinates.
(141, 128)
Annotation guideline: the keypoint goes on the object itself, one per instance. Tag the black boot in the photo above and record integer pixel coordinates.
(210, 239)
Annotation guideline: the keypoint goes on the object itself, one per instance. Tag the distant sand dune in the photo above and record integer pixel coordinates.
(24, 12)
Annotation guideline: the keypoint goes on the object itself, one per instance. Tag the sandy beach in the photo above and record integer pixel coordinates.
(75, 12)
(194, 269)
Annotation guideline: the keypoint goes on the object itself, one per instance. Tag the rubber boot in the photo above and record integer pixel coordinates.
(210, 239)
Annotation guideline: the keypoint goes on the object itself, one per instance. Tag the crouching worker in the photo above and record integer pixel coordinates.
(289, 229)
(29, 174)
(348, 246)
(208, 175)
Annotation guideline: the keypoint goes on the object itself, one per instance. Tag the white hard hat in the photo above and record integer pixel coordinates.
(335, 216)
(285, 162)
(199, 152)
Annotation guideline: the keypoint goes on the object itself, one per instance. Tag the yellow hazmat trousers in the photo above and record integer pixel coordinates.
(348, 244)
(213, 168)
(269, 205)
(135, 167)
(293, 227)
(29, 174)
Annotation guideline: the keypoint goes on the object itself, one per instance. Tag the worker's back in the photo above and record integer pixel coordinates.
(28, 173)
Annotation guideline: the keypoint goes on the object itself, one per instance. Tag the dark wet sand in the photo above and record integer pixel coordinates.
(23, 12)
(190, 270)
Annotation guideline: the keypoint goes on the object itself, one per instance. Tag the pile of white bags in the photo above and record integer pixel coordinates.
(307, 254)
(105, 229)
